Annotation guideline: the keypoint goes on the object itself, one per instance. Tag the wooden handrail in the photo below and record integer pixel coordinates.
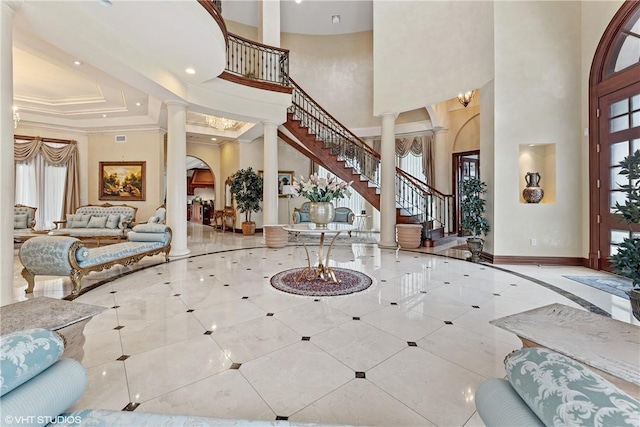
(215, 13)
(265, 46)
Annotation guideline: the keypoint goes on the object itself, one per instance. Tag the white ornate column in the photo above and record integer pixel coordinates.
(372, 221)
(269, 22)
(7, 184)
(388, 182)
(177, 176)
(270, 174)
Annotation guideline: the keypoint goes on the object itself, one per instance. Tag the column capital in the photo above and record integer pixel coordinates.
(176, 103)
(388, 114)
(12, 5)
(440, 130)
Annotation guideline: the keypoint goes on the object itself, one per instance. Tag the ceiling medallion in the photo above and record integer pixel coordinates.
(220, 123)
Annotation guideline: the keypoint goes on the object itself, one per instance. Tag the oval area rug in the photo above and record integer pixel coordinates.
(350, 281)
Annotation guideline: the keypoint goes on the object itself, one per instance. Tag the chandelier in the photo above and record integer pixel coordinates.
(465, 98)
(220, 123)
(16, 117)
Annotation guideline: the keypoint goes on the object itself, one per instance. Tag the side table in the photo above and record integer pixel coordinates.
(65, 317)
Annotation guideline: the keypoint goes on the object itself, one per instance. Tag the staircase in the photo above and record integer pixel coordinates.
(322, 138)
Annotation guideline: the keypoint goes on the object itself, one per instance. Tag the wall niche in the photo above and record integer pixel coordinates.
(540, 158)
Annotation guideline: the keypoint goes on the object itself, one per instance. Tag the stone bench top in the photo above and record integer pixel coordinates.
(601, 342)
(45, 313)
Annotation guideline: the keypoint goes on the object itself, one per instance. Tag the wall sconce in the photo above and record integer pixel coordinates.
(16, 117)
(465, 98)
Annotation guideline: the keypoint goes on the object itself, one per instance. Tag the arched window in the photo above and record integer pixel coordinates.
(614, 129)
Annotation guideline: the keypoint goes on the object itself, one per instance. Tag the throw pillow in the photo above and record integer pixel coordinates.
(113, 221)
(150, 228)
(81, 222)
(304, 217)
(20, 221)
(97, 222)
(153, 220)
(71, 218)
(124, 218)
(341, 216)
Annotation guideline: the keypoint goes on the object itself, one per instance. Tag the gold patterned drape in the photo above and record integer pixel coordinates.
(26, 148)
(419, 146)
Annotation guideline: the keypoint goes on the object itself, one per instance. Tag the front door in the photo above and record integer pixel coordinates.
(465, 165)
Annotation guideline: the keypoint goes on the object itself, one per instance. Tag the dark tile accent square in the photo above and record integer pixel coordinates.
(115, 306)
(466, 275)
(475, 306)
(397, 260)
(423, 292)
(234, 262)
(248, 269)
(513, 284)
(190, 260)
(316, 300)
(245, 297)
(167, 283)
(123, 357)
(481, 268)
(131, 407)
(269, 314)
(117, 328)
(383, 280)
(412, 344)
(281, 418)
(208, 333)
(356, 318)
(265, 277)
(447, 283)
(159, 274)
(176, 295)
(497, 295)
(394, 303)
(235, 366)
(448, 322)
(360, 374)
(226, 284)
(199, 268)
(113, 292)
(306, 338)
(191, 310)
(212, 275)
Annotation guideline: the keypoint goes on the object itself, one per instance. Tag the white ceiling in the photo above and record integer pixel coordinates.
(103, 91)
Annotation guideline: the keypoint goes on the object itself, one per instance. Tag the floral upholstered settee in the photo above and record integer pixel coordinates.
(37, 387)
(342, 214)
(67, 256)
(545, 388)
(98, 222)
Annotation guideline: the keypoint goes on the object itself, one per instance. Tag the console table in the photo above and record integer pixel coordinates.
(322, 270)
(610, 346)
(65, 317)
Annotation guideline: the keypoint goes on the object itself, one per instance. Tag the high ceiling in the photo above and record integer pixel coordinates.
(56, 81)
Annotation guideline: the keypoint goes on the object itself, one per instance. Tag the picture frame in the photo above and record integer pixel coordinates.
(122, 181)
(284, 178)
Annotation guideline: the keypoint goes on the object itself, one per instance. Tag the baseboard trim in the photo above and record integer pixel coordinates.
(537, 260)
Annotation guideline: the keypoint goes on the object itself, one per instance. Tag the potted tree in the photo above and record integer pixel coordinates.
(626, 261)
(472, 208)
(246, 188)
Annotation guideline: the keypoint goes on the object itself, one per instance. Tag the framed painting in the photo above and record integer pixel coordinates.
(284, 178)
(122, 181)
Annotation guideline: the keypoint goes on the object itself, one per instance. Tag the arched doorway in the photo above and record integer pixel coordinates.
(201, 194)
(614, 128)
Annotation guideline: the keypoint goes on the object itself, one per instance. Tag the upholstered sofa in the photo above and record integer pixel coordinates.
(98, 222)
(342, 214)
(37, 386)
(24, 221)
(67, 256)
(545, 388)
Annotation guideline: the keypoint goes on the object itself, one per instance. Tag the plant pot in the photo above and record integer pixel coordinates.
(248, 228)
(634, 299)
(475, 245)
(275, 236)
(409, 235)
(321, 213)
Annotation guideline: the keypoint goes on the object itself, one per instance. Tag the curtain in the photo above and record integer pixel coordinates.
(419, 146)
(47, 177)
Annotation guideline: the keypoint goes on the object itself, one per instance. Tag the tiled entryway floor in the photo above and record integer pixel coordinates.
(208, 335)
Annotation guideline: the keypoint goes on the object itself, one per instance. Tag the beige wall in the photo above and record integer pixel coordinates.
(145, 146)
(426, 52)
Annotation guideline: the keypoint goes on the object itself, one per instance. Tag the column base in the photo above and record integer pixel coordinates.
(179, 253)
(387, 245)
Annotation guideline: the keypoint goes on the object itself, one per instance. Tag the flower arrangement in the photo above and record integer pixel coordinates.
(317, 189)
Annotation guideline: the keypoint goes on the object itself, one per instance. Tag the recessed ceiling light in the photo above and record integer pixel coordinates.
(76, 62)
(104, 115)
(335, 19)
(138, 104)
(190, 71)
(298, 1)
(214, 139)
(106, 3)
(532, 145)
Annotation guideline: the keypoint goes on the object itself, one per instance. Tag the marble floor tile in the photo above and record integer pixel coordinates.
(101, 347)
(446, 390)
(139, 310)
(475, 421)
(228, 314)
(359, 402)
(105, 321)
(224, 395)
(107, 388)
(296, 376)
(408, 325)
(358, 304)
(165, 369)
(312, 318)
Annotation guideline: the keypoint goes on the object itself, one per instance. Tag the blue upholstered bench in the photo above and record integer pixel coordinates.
(67, 256)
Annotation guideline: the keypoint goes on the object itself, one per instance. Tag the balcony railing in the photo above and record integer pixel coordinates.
(256, 61)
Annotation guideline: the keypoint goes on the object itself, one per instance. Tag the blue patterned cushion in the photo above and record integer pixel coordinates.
(20, 221)
(112, 221)
(25, 354)
(81, 221)
(563, 392)
(134, 236)
(82, 253)
(304, 217)
(341, 216)
(108, 253)
(153, 220)
(150, 228)
(47, 255)
(97, 222)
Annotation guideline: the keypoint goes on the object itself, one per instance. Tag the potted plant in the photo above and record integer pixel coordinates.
(472, 208)
(626, 261)
(246, 188)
